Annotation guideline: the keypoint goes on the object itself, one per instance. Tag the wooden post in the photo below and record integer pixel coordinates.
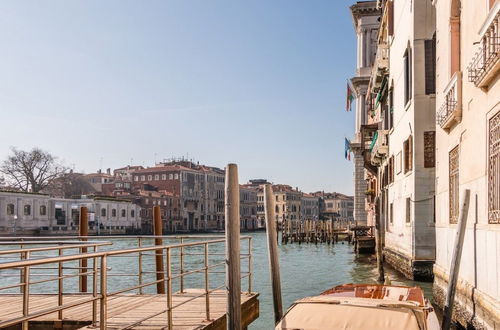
(378, 241)
(455, 261)
(160, 271)
(233, 279)
(84, 231)
(272, 250)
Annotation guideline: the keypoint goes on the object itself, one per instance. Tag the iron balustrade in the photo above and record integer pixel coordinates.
(100, 271)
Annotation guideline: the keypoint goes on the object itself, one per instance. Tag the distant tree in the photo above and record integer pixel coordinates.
(30, 171)
(69, 185)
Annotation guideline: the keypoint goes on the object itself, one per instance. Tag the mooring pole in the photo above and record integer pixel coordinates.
(233, 279)
(272, 249)
(455, 261)
(160, 271)
(378, 236)
(84, 232)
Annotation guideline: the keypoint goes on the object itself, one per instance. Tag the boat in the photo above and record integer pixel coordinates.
(362, 306)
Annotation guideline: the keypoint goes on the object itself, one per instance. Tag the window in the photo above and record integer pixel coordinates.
(391, 169)
(391, 213)
(170, 176)
(164, 177)
(429, 149)
(391, 107)
(494, 169)
(124, 213)
(407, 74)
(143, 178)
(43, 210)
(27, 209)
(455, 36)
(430, 65)
(150, 177)
(453, 185)
(136, 178)
(132, 213)
(113, 213)
(176, 176)
(398, 163)
(408, 210)
(408, 154)
(157, 177)
(103, 212)
(10, 209)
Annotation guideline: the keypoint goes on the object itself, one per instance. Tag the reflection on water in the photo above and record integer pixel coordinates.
(306, 270)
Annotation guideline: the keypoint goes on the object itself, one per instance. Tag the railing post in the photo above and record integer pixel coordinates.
(160, 272)
(104, 293)
(139, 268)
(233, 279)
(84, 232)
(250, 265)
(181, 268)
(94, 288)
(169, 289)
(207, 289)
(26, 291)
(60, 286)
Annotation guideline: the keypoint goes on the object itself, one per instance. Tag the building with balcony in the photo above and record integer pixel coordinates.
(365, 16)
(468, 156)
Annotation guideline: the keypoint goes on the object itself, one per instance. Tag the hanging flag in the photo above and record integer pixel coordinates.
(347, 149)
(350, 97)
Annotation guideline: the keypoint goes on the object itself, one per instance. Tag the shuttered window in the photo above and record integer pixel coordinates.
(494, 170)
(429, 149)
(430, 65)
(408, 154)
(407, 74)
(454, 184)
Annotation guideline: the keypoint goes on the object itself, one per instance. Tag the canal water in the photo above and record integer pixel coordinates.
(306, 270)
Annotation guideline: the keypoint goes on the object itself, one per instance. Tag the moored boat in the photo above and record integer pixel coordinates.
(362, 306)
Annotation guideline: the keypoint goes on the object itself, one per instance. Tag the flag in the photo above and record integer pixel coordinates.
(349, 98)
(347, 149)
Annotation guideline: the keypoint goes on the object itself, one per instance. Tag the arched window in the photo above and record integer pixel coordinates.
(277, 209)
(43, 210)
(103, 212)
(455, 36)
(27, 209)
(132, 213)
(10, 209)
(113, 213)
(124, 213)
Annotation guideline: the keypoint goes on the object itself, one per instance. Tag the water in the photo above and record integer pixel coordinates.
(306, 270)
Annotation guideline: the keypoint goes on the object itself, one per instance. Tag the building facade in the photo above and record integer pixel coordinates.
(32, 214)
(309, 207)
(248, 208)
(468, 156)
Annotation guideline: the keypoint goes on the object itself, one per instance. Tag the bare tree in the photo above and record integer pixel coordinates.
(69, 185)
(30, 171)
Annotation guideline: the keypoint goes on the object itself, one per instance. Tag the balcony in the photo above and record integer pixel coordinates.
(380, 66)
(450, 112)
(485, 64)
(379, 147)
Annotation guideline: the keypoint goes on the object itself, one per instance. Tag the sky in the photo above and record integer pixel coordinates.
(103, 84)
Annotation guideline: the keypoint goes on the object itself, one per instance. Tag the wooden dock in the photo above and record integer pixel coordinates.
(134, 311)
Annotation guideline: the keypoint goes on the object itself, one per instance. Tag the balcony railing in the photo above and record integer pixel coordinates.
(486, 62)
(450, 112)
(380, 147)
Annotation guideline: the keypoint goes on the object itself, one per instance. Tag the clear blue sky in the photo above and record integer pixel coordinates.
(259, 83)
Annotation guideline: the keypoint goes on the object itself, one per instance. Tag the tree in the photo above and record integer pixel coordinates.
(69, 185)
(30, 171)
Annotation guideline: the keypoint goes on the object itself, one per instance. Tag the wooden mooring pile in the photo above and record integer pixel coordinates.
(313, 231)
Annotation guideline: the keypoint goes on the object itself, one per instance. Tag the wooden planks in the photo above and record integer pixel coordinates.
(138, 311)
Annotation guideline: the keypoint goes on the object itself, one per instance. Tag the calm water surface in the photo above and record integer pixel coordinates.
(306, 270)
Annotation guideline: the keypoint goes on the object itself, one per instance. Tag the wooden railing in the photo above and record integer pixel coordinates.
(99, 271)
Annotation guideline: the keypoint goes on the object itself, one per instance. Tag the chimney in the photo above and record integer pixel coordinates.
(99, 171)
(108, 171)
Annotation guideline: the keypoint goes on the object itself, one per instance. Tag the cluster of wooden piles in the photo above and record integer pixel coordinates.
(313, 231)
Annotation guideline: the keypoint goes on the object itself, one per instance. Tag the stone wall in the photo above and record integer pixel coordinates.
(417, 270)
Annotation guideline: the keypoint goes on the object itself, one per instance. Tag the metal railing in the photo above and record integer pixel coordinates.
(100, 271)
(452, 105)
(489, 52)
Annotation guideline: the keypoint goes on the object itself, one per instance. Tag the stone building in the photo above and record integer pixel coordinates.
(397, 140)
(468, 156)
(287, 202)
(309, 207)
(365, 16)
(32, 214)
(248, 208)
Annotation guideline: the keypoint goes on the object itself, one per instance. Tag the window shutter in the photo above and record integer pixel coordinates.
(429, 149)
(430, 66)
(390, 18)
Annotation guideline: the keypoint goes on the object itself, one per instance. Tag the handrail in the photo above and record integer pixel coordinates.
(99, 272)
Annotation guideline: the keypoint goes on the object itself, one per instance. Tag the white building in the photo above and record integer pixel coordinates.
(468, 156)
(29, 213)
